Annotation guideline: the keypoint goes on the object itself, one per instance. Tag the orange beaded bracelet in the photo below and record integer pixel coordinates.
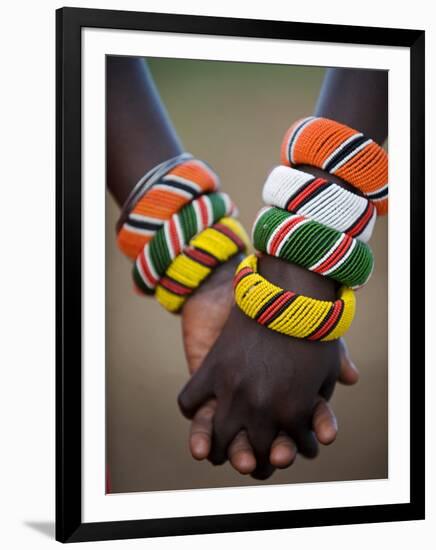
(342, 151)
(159, 195)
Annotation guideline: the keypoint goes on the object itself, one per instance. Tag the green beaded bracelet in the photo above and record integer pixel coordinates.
(313, 245)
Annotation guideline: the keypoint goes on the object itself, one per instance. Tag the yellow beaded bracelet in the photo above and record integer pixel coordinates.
(211, 247)
(290, 313)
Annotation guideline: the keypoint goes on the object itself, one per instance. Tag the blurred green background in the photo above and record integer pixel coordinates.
(233, 115)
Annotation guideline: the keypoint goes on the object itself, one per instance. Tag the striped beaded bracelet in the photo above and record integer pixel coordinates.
(312, 245)
(206, 251)
(321, 200)
(341, 151)
(290, 313)
(156, 256)
(158, 195)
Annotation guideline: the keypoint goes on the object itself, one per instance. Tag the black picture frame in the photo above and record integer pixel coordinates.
(69, 525)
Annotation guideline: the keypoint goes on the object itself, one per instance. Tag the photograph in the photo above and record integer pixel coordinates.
(237, 278)
(221, 167)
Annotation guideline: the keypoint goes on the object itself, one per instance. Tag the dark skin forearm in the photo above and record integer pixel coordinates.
(358, 98)
(140, 134)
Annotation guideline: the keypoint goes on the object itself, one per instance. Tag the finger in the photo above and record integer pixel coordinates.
(324, 422)
(201, 430)
(241, 454)
(261, 435)
(225, 428)
(283, 451)
(306, 443)
(196, 392)
(303, 437)
(263, 472)
(348, 374)
(328, 386)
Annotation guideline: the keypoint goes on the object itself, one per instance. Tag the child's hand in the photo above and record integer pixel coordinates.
(264, 382)
(206, 312)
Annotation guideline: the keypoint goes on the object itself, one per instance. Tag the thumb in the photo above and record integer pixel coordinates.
(196, 392)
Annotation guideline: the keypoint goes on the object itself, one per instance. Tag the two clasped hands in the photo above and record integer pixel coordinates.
(256, 397)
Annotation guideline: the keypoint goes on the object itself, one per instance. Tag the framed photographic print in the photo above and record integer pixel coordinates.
(239, 304)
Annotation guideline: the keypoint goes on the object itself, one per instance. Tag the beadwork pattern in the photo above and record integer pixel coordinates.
(205, 252)
(288, 312)
(321, 200)
(312, 245)
(342, 151)
(175, 234)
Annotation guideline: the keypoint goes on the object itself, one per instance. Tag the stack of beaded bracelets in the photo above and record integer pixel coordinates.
(312, 245)
(290, 313)
(317, 224)
(342, 151)
(172, 205)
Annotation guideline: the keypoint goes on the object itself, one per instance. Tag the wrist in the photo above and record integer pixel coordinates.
(297, 279)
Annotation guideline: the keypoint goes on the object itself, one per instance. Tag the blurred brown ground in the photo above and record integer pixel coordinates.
(232, 115)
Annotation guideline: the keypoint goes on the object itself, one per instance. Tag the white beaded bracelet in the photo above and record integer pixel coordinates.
(321, 200)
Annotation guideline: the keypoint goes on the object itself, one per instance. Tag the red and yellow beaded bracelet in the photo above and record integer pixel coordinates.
(288, 312)
(206, 251)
